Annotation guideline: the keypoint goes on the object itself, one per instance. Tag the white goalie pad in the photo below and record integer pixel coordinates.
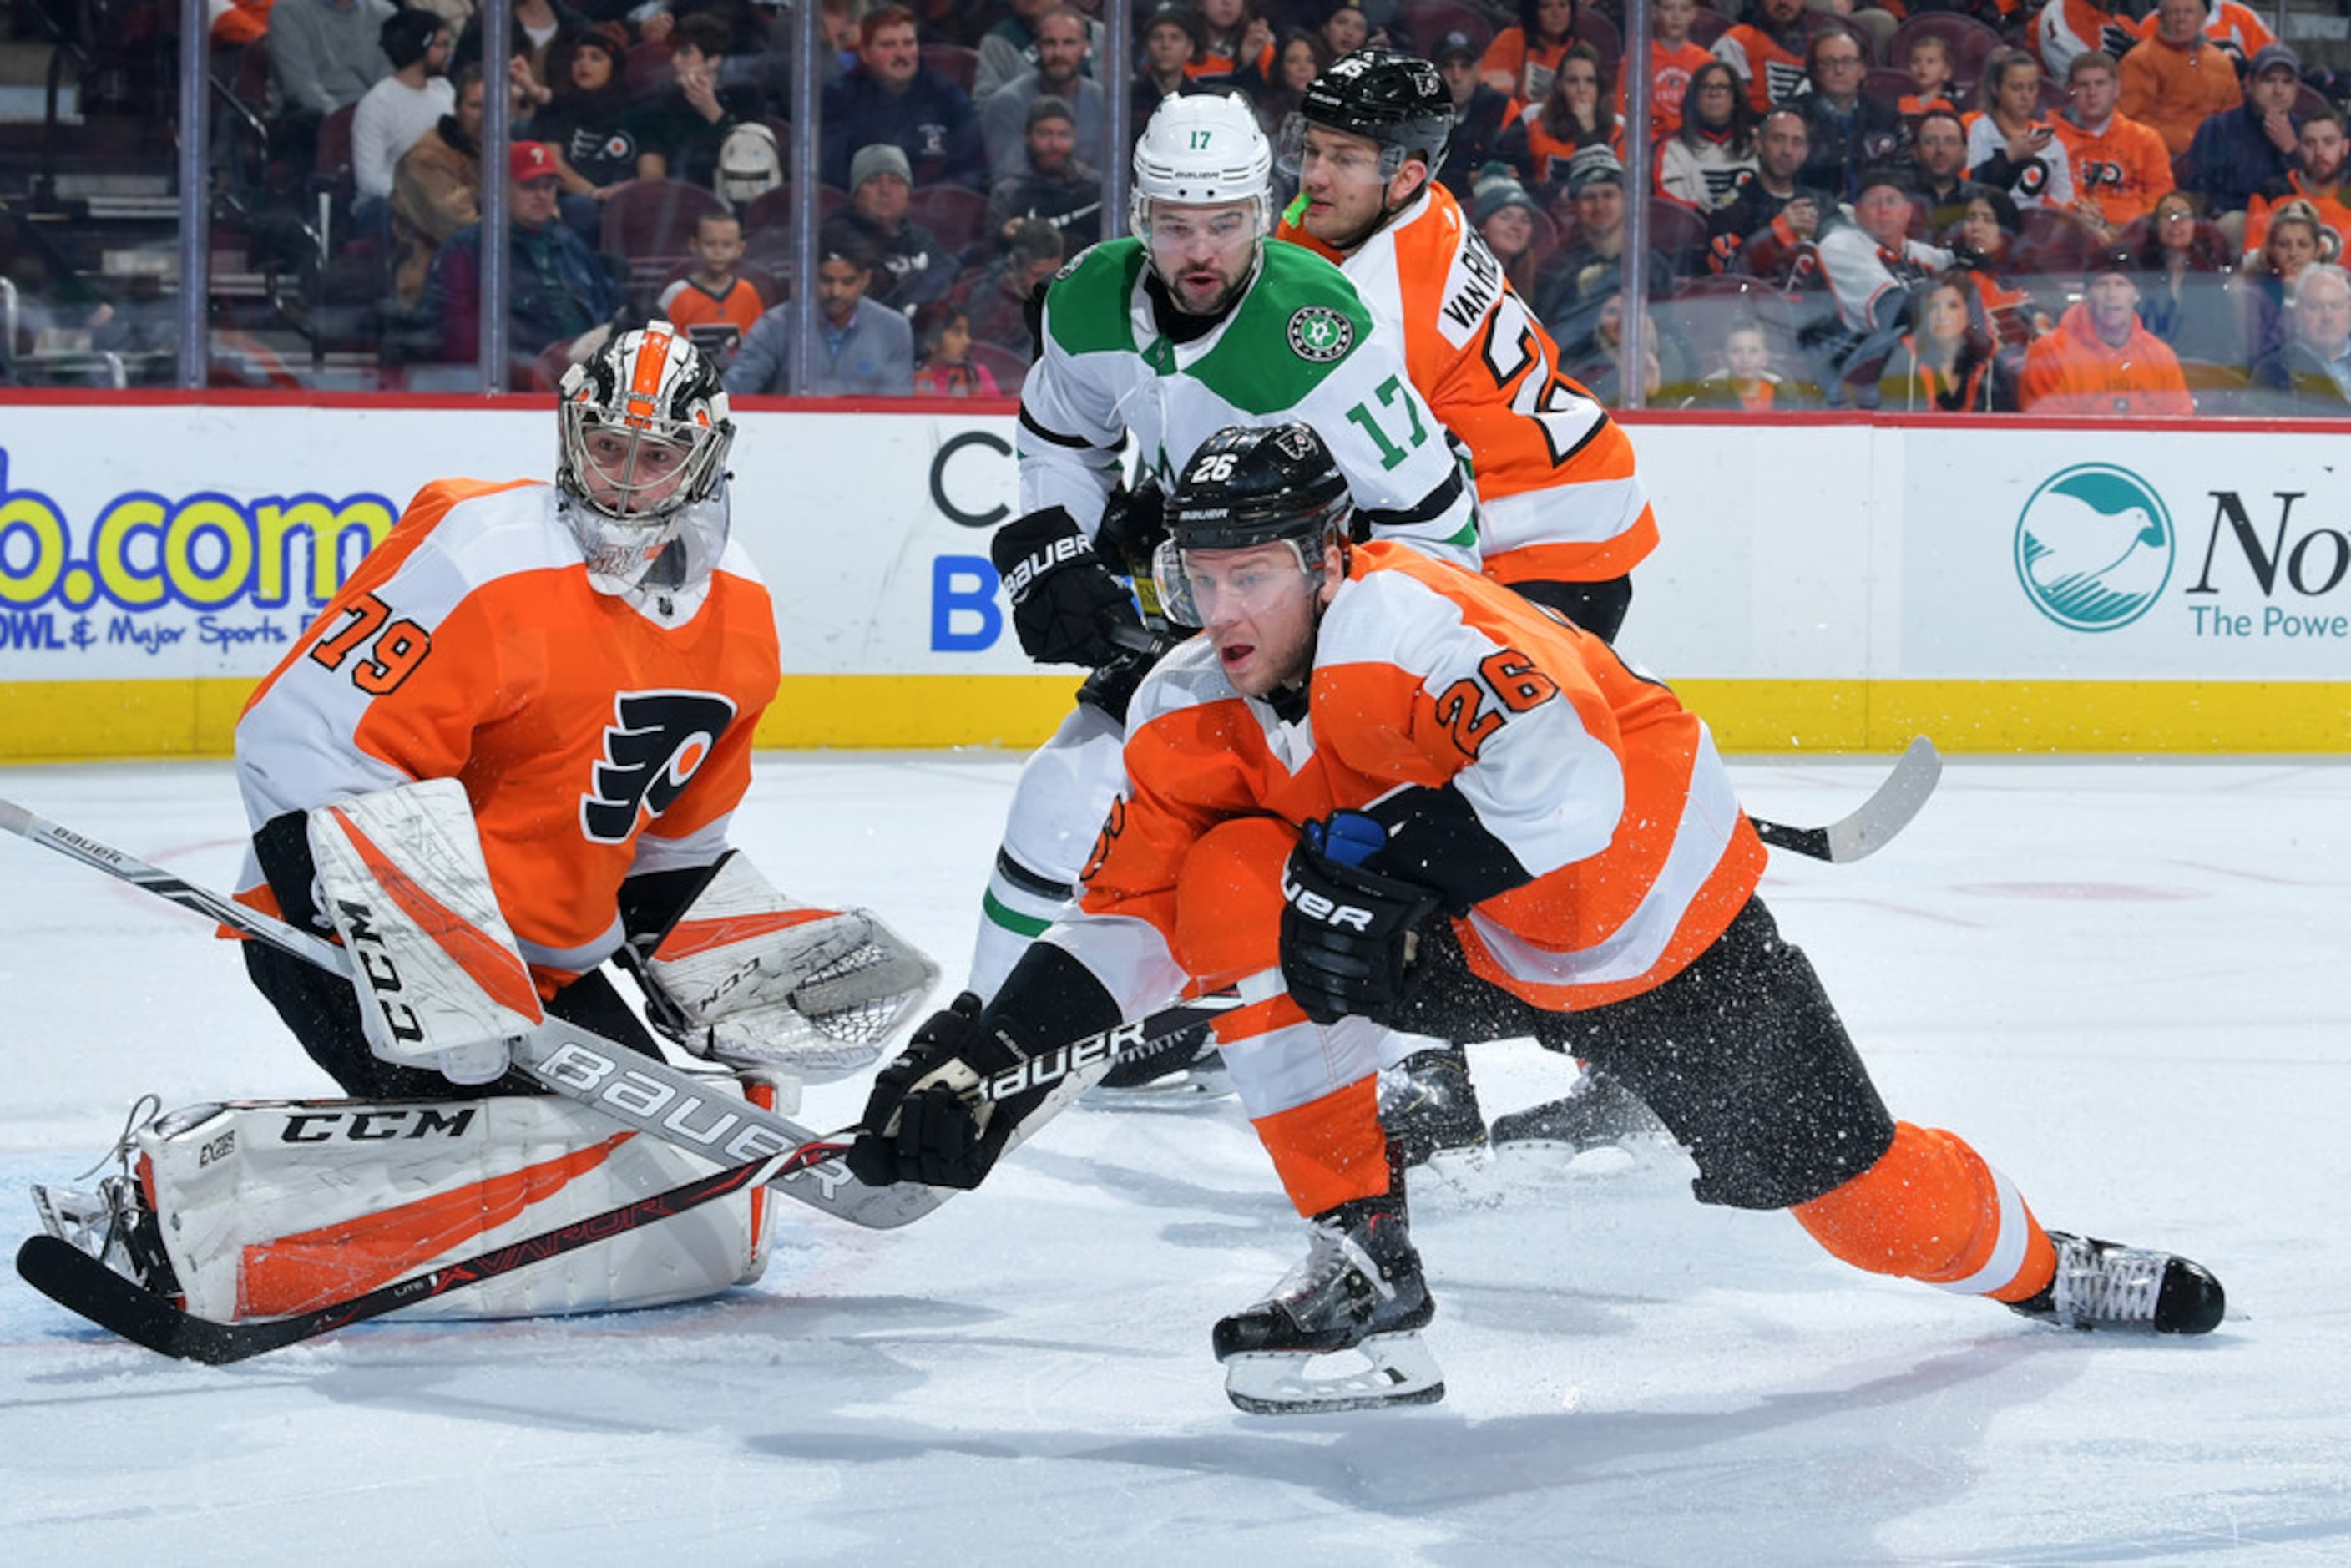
(440, 981)
(268, 1207)
(749, 977)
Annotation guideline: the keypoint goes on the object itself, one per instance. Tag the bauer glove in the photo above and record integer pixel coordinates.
(1066, 605)
(1347, 933)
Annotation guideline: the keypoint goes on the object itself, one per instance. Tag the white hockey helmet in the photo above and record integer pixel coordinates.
(640, 460)
(1198, 152)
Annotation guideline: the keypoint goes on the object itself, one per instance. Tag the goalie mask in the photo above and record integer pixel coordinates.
(641, 462)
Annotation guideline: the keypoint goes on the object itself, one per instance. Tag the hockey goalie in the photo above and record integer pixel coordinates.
(505, 755)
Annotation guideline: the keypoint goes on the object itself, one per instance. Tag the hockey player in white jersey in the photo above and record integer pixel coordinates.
(1191, 324)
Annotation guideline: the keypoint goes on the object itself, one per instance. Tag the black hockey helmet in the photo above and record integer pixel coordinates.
(1251, 486)
(1256, 486)
(1396, 100)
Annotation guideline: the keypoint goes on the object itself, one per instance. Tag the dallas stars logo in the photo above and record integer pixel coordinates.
(1320, 334)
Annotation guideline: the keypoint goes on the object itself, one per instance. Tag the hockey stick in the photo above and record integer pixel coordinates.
(635, 1090)
(1865, 829)
(85, 1286)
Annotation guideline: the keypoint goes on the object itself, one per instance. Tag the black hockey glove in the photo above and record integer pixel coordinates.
(1065, 602)
(918, 1127)
(1347, 932)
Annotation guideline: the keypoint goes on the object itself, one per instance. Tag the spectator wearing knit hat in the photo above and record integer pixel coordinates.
(1504, 217)
(910, 266)
(1571, 288)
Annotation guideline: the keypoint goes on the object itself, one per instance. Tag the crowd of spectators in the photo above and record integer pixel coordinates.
(1931, 206)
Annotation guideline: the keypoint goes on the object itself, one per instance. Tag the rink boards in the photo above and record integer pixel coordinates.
(1823, 584)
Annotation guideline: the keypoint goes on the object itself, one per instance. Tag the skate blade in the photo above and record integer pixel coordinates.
(1386, 1369)
(79, 1219)
(1187, 1091)
(1566, 1157)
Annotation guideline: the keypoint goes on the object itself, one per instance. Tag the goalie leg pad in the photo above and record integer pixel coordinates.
(275, 1206)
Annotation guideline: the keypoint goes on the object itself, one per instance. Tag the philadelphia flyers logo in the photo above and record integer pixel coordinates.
(2098, 173)
(656, 743)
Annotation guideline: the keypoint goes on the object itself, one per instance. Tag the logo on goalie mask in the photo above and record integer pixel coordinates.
(656, 743)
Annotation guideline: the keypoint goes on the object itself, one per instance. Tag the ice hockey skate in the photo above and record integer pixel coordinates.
(1428, 1106)
(1598, 1112)
(1340, 1331)
(1188, 1074)
(2104, 1285)
(114, 1224)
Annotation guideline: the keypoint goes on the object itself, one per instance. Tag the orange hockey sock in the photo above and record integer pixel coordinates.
(1931, 1209)
(1330, 1151)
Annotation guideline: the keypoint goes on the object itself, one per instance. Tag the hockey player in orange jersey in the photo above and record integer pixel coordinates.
(1564, 516)
(1419, 797)
(508, 751)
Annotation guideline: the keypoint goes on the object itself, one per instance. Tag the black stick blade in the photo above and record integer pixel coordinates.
(88, 1288)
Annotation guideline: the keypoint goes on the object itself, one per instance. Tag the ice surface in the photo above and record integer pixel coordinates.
(2125, 982)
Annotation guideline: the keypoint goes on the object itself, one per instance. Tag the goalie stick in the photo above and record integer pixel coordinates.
(638, 1090)
(85, 1286)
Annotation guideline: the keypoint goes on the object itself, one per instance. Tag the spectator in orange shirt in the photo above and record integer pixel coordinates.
(2177, 78)
(2233, 29)
(1520, 59)
(1769, 54)
(1673, 61)
(714, 294)
(2319, 182)
(2120, 166)
(1575, 116)
(2100, 358)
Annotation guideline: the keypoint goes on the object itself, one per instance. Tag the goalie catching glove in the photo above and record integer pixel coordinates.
(1066, 605)
(745, 977)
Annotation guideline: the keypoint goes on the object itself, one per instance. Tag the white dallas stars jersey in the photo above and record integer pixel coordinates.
(1299, 345)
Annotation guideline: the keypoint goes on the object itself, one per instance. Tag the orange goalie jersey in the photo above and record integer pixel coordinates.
(1558, 496)
(594, 738)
